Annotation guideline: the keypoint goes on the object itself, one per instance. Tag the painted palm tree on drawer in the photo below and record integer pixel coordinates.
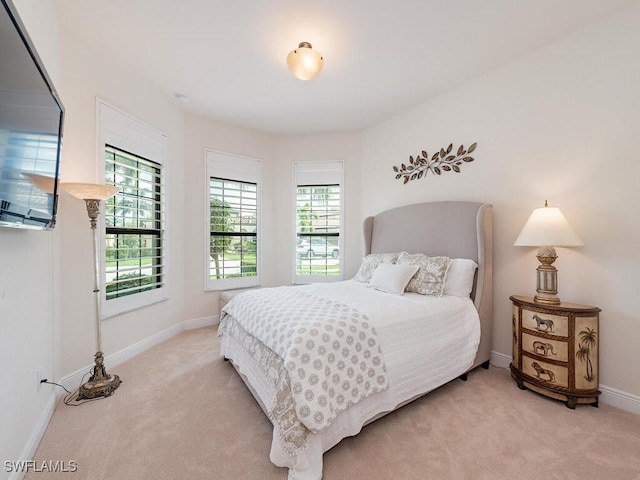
(588, 340)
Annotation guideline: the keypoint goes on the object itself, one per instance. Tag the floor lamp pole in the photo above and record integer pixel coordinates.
(100, 384)
(93, 209)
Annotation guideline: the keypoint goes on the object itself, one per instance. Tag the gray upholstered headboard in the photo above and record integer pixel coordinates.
(453, 229)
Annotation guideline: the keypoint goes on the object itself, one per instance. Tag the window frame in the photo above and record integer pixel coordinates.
(318, 173)
(125, 132)
(240, 168)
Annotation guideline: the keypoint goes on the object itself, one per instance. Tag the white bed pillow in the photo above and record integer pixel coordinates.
(371, 262)
(460, 277)
(392, 278)
(432, 273)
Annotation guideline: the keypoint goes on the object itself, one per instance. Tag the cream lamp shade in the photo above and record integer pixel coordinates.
(305, 62)
(547, 228)
(90, 191)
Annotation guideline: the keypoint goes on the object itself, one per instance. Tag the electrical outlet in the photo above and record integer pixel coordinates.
(39, 375)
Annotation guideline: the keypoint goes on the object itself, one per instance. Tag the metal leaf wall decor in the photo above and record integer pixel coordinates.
(442, 161)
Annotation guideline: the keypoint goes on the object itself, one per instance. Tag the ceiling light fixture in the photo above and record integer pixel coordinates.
(305, 62)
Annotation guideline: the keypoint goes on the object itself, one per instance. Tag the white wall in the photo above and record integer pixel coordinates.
(86, 76)
(314, 148)
(200, 134)
(28, 284)
(560, 124)
(46, 303)
(278, 155)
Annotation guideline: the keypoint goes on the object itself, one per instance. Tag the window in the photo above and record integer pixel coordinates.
(318, 199)
(133, 267)
(232, 241)
(234, 234)
(133, 221)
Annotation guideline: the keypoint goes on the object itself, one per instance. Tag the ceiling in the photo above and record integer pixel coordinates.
(381, 56)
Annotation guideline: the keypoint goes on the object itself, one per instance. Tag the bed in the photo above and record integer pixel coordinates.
(325, 360)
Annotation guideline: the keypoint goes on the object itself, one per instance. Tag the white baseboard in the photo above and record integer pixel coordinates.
(619, 399)
(29, 449)
(611, 396)
(74, 380)
(500, 360)
(201, 322)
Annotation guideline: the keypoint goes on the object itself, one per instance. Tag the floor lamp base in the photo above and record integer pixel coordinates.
(100, 384)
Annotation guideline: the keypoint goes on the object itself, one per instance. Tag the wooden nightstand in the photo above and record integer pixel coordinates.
(555, 350)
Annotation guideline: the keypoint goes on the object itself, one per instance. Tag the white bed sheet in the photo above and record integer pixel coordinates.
(426, 341)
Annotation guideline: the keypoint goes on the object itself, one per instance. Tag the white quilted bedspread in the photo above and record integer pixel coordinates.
(329, 351)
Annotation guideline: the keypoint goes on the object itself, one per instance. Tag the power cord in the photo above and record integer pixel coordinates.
(69, 397)
(44, 380)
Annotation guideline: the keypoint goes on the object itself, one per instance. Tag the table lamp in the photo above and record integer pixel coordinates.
(547, 228)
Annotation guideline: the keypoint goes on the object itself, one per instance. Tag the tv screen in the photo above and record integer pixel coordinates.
(31, 119)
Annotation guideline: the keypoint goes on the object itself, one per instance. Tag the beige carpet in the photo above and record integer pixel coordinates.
(183, 413)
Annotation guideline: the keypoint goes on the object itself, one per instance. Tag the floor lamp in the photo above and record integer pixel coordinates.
(100, 384)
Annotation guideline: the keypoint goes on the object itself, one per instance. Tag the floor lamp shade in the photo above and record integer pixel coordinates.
(90, 191)
(547, 228)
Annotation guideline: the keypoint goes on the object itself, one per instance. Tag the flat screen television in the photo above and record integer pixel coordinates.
(31, 120)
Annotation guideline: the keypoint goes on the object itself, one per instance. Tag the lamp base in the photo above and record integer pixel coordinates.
(547, 277)
(547, 299)
(100, 384)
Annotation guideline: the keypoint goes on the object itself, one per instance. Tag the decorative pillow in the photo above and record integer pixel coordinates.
(371, 262)
(431, 275)
(392, 278)
(460, 277)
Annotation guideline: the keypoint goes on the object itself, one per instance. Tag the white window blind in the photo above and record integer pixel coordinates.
(133, 225)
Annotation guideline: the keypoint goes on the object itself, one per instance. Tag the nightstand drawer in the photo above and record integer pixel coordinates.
(546, 323)
(544, 347)
(545, 373)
